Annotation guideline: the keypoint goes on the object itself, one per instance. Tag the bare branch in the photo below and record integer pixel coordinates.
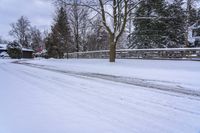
(124, 20)
(104, 17)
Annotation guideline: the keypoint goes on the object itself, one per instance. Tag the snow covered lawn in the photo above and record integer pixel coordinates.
(176, 73)
(85, 96)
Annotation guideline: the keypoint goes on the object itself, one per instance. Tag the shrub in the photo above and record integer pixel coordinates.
(14, 50)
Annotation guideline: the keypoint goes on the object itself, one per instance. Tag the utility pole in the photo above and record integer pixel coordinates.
(130, 24)
(189, 2)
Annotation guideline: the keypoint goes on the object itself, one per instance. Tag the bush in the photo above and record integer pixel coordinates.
(14, 50)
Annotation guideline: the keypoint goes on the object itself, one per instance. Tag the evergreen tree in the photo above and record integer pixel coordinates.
(194, 15)
(52, 47)
(175, 27)
(59, 40)
(149, 26)
(14, 50)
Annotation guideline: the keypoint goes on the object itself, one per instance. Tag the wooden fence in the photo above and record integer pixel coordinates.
(161, 53)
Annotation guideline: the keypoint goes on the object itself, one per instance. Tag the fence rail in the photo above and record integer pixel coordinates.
(161, 53)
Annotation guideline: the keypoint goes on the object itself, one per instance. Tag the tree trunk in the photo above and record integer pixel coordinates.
(112, 50)
(67, 55)
(77, 46)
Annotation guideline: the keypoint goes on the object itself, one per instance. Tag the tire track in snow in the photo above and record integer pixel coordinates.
(120, 79)
(61, 83)
(84, 103)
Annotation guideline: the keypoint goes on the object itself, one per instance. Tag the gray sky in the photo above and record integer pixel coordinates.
(39, 12)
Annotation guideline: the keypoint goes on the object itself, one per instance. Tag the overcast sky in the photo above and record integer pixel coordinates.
(39, 12)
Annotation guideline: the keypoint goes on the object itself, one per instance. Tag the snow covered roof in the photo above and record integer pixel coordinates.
(4, 47)
(25, 49)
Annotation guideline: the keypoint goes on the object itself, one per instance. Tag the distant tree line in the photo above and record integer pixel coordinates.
(26, 35)
(73, 30)
(88, 25)
(150, 24)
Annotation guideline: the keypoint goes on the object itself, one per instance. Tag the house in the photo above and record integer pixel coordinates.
(26, 53)
(3, 51)
(194, 34)
(3, 48)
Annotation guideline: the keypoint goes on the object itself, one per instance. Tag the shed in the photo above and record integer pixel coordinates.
(26, 53)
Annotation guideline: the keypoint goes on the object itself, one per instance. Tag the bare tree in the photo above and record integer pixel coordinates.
(36, 39)
(21, 31)
(119, 16)
(97, 38)
(114, 16)
(78, 18)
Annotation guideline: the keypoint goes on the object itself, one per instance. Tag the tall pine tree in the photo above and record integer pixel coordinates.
(175, 27)
(149, 27)
(59, 40)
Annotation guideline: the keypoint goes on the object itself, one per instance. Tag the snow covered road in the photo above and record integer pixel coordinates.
(169, 86)
(35, 100)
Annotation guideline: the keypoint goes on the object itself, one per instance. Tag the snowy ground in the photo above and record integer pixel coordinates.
(179, 74)
(94, 96)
